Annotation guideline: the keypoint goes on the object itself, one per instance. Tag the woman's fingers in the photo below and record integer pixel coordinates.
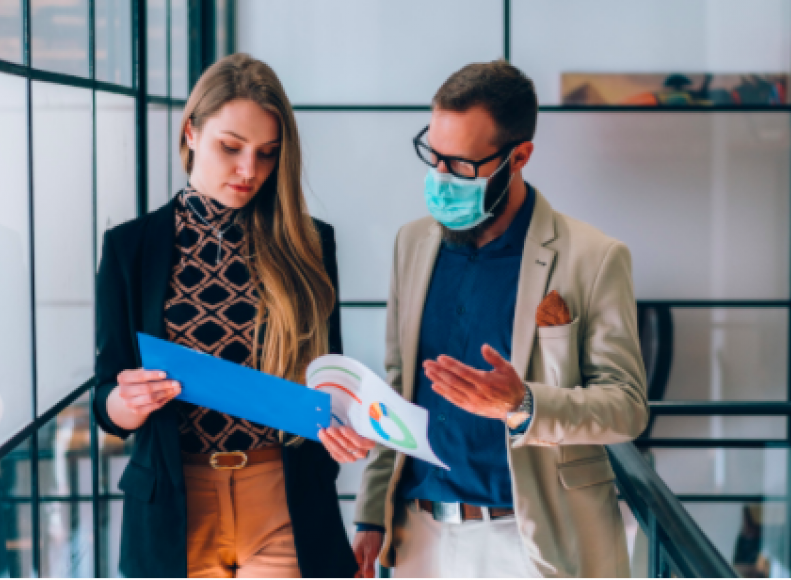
(144, 398)
(136, 389)
(337, 450)
(134, 376)
(354, 439)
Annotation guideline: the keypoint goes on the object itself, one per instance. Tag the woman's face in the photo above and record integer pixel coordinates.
(234, 152)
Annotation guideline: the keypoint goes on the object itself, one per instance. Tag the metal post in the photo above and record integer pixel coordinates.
(507, 30)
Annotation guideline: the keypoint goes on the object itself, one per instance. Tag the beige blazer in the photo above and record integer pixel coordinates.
(588, 384)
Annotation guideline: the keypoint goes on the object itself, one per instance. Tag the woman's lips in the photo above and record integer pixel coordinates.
(242, 188)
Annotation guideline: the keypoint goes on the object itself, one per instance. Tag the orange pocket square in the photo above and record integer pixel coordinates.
(552, 311)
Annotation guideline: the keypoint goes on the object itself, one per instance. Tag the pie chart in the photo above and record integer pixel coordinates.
(378, 411)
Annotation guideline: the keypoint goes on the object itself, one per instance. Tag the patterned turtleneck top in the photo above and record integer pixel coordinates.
(210, 307)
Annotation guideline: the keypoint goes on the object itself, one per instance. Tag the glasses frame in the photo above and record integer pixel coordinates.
(476, 165)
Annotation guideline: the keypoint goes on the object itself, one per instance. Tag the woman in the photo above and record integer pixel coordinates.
(232, 266)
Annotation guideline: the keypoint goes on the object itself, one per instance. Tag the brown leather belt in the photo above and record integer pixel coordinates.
(467, 511)
(233, 459)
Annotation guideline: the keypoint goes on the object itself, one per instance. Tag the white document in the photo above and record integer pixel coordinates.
(371, 407)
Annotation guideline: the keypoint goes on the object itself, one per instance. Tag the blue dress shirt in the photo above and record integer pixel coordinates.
(470, 302)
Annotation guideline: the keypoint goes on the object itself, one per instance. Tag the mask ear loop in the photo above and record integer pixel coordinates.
(505, 189)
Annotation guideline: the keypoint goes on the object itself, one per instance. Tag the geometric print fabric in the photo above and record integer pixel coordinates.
(210, 307)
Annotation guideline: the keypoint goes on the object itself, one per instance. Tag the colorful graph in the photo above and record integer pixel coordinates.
(378, 410)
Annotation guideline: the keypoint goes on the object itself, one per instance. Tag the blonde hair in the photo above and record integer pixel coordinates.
(296, 295)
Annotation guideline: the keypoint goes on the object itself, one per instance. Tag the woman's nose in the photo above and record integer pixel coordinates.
(246, 168)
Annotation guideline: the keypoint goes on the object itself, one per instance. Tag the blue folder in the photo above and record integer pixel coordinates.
(240, 391)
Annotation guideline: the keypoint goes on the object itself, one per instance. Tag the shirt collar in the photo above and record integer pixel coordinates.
(211, 210)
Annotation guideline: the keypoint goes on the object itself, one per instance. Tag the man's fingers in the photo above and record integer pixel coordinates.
(132, 376)
(494, 358)
(467, 373)
(338, 452)
(355, 439)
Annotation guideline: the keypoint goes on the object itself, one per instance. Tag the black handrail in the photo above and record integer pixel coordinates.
(675, 539)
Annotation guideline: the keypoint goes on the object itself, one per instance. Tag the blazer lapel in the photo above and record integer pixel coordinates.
(537, 263)
(157, 261)
(157, 264)
(424, 261)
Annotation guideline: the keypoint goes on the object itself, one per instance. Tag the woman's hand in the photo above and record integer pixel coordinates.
(139, 393)
(344, 444)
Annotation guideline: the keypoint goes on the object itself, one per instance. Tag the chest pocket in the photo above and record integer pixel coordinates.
(138, 482)
(556, 355)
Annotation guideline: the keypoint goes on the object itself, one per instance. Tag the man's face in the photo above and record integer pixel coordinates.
(472, 135)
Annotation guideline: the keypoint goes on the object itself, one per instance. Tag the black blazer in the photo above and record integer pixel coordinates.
(132, 282)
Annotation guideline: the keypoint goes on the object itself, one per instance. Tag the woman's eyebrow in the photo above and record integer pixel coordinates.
(245, 140)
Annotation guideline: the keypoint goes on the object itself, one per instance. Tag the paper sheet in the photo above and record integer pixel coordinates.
(365, 402)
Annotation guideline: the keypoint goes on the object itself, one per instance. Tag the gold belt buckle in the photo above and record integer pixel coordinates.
(213, 459)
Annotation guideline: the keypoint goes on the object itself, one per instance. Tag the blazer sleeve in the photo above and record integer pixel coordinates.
(379, 471)
(114, 349)
(329, 255)
(611, 406)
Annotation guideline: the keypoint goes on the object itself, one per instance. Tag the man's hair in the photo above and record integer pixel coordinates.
(504, 91)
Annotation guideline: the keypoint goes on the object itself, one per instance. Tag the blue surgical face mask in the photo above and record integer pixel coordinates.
(457, 203)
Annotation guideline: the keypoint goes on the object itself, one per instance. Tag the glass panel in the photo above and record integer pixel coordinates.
(366, 197)
(11, 30)
(347, 513)
(658, 36)
(221, 31)
(725, 354)
(114, 41)
(116, 171)
(179, 50)
(111, 538)
(158, 186)
(60, 36)
(364, 336)
(178, 178)
(719, 427)
(636, 542)
(406, 49)
(718, 181)
(64, 461)
(350, 477)
(156, 50)
(63, 213)
(114, 454)
(722, 471)
(752, 537)
(64, 465)
(16, 387)
(16, 544)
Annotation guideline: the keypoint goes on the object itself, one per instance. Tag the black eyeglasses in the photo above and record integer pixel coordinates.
(458, 166)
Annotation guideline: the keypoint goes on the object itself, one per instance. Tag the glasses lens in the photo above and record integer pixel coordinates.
(462, 169)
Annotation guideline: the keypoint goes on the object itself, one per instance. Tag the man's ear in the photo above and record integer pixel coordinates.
(521, 155)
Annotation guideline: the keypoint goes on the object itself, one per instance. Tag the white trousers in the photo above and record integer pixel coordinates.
(426, 548)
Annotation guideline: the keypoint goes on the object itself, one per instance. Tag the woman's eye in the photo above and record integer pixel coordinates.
(267, 155)
(229, 149)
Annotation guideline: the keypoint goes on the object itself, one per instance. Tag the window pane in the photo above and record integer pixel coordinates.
(178, 178)
(636, 542)
(691, 194)
(695, 427)
(361, 52)
(11, 30)
(60, 36)
(114, 41)
(179, 50)
(112, 512)
(114, 454)
(663, 36)
(116, 171)
(752, 537)
(158, 186)
(156, 50)
(366, 197)
(726, 354)
(64, 465)
(16, 387)
(221, 29)
(722, 471)
(64, 264)
(16, 543)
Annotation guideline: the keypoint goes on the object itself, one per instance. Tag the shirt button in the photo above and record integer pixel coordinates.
(473, 257)
(441, 417)
(460, 310)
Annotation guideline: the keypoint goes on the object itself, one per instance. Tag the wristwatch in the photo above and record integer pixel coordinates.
(523, 412)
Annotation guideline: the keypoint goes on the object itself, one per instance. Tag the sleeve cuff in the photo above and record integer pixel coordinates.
(369, 528)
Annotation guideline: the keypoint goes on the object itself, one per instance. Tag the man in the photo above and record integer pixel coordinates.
(515, 326)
